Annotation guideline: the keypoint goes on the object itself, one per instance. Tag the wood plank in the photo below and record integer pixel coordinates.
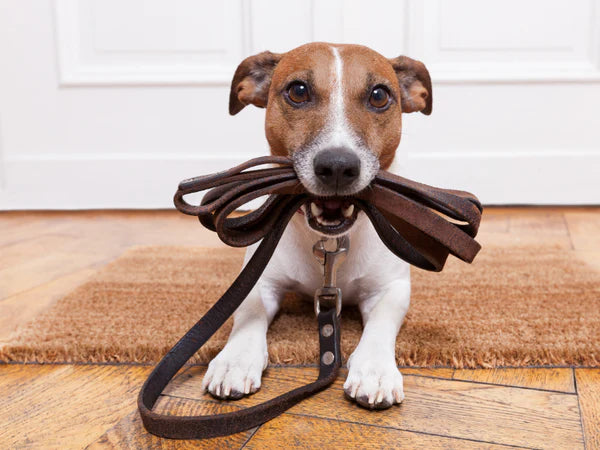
(291, 431)
(591, 258)
(498, 414)
(441, 372)
(534, 223)
(588, 388)
(508, 240)
(35, 262)
(167, 227)
(21, 231)
(279, 380)
(538, 209)
(494, 223)
(584, 228)
(130, 433)
(12, 376)
(64, 406)
(126, 230)
(549, 379)
(77, 241)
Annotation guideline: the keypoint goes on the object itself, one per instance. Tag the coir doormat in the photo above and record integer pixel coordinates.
(524, 306)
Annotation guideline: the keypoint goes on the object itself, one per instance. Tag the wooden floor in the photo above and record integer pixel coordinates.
(44, 255)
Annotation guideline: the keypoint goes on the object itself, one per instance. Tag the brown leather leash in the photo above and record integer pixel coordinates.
(412, 219)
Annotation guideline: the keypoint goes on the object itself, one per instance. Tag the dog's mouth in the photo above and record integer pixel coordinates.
(330, 215)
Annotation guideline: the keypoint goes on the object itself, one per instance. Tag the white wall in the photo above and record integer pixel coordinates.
(109, 103)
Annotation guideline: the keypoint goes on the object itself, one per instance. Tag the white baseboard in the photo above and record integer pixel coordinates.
(112, 181)
(149, 181)
(514, 178)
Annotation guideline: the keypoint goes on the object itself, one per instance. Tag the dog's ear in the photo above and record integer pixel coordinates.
(415, 84)
(251, 82)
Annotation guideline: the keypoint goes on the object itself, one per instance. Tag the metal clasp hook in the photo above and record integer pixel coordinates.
(330, 260)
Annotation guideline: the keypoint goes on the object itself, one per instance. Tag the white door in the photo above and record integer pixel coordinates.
(109, 103)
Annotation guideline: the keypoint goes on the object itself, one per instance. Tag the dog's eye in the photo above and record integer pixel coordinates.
(380, 97)
(298, 92)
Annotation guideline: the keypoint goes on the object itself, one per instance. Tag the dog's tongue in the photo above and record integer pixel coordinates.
(332, 204)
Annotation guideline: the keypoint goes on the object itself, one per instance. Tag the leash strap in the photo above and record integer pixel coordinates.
(195, 427)
(409, 217)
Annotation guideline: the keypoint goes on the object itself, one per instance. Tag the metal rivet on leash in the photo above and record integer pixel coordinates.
(327, 358)
(327, 330)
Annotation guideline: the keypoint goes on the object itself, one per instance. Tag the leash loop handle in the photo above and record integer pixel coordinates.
(202, 427)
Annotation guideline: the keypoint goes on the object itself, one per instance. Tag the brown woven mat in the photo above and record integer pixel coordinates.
(513, 307)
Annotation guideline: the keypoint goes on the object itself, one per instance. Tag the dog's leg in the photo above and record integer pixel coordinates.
(237, 369)
(373, 380)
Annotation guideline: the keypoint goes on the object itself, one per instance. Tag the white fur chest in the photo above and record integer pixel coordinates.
(367, 270)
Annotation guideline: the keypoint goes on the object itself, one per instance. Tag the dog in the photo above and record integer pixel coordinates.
(336, 110)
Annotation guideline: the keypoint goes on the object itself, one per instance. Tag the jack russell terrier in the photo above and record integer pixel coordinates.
(336, 110)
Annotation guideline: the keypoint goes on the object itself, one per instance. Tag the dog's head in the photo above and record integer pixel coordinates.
(337, 111)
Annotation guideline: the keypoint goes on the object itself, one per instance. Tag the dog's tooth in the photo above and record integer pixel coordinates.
(315, 210)
(327, 223)
(347, 212)
(320, 220)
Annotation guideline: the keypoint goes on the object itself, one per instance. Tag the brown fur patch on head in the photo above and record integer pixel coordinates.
(289, 128)
(251, 81)
(263, 80)
(363, 70)
(415, 82)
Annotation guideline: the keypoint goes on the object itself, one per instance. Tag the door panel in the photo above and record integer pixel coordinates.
(105, 103)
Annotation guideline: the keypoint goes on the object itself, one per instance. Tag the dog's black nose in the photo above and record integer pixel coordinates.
(337, 168)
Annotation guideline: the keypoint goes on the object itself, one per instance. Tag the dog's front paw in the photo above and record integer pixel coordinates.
(373, 382)
(236, 371)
